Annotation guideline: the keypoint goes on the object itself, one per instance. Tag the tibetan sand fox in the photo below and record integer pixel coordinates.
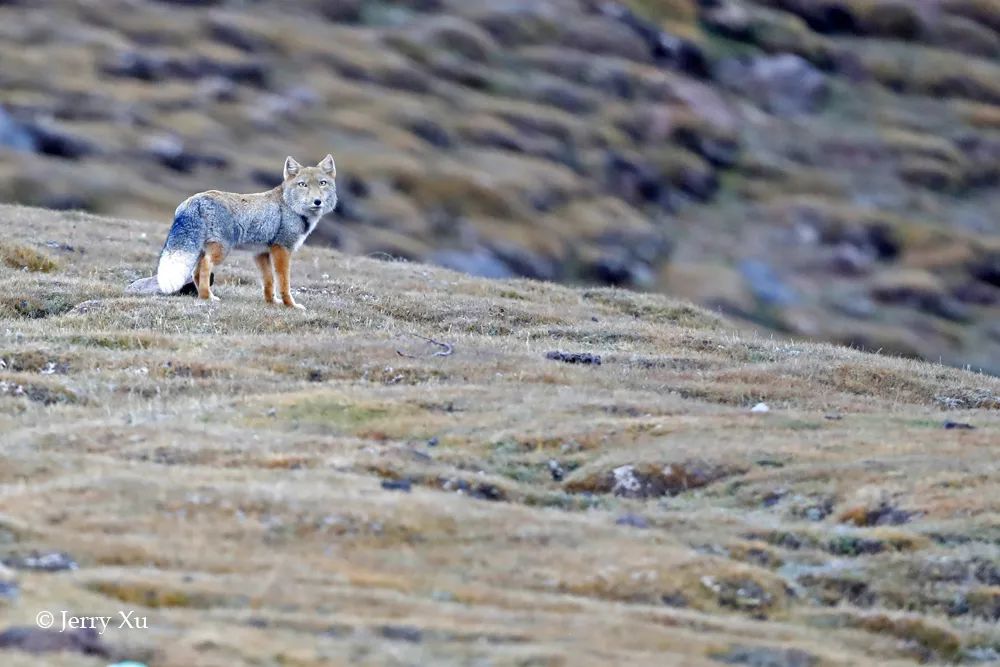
(272, 224)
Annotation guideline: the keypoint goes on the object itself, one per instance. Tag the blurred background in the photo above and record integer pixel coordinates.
(818, 168)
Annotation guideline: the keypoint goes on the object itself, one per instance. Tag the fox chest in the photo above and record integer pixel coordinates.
(308, 227)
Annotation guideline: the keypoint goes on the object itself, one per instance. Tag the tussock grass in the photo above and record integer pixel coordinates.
(311, 487)
(26, 258)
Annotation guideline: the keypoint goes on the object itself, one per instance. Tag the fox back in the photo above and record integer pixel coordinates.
(283, 216)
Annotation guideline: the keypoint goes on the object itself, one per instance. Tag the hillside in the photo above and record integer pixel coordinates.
(329, 488)
(820, 169)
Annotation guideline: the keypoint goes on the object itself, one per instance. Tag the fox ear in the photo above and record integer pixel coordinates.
(328, 165)
(291, 167)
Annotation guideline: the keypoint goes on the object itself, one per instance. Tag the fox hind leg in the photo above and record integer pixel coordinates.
(267, 274)
(282, 264)
(213, 255)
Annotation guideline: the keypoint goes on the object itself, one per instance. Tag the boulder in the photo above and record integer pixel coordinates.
(14, 134)
(784, 84)
(479, 262)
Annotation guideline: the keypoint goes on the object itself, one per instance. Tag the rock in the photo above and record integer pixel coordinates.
(760, 407)
(478, 262)
(831, 17)
(406, 633)
(740, 594)
(784, 84)
(636, 182)
(37, 640)
(766, 285)
(52, 561)
(226, 32)
(345, 11)
(404, 485)
(987, 268)
(525, 262)
(765, 656)
(136, 65)
(431, 132)
(8, 590)
(15, 135)
(485, 491)
(632, 520)
(147, 66)
(720, 151)
(584, 358)
(728, 19)
(666, 49)
(51, 139)
(650, 480)
(881, 513)
(618, 268)
(556, 470)
(171, 152)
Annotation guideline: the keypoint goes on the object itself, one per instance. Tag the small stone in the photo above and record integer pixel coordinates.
(36, 640)
(764, 656)
(574, 357)
(556, 470)
(42, 562)
(8, 590)
(404, 633)
(403, 485)
(633, 520)
(433, 442)
(760, 407)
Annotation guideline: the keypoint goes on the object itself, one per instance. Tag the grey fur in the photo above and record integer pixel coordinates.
(283, 216)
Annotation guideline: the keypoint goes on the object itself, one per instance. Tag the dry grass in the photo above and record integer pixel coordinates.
(219, 469)
(547, 142)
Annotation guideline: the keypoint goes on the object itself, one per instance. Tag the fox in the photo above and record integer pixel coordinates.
(272, 224)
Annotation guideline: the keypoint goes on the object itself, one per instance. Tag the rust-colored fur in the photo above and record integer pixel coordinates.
(272, 224)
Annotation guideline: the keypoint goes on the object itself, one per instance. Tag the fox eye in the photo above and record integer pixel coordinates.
(301, 184)
(324, 183)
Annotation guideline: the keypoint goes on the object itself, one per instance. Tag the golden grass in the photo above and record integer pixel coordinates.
(25, 257)
(220, 469)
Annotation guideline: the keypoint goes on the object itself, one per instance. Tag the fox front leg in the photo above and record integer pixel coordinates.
(282, 266)
(267, 274)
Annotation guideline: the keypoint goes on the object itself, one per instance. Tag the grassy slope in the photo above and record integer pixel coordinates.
(218, 468)
(547, 136)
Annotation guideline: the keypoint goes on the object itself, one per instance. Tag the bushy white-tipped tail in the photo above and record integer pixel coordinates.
(175, 269)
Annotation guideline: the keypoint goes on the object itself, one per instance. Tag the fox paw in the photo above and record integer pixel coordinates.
(296, 306)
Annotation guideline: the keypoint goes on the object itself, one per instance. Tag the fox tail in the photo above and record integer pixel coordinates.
(181, 251)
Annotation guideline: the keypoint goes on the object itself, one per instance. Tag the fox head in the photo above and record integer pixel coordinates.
(310, 191)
